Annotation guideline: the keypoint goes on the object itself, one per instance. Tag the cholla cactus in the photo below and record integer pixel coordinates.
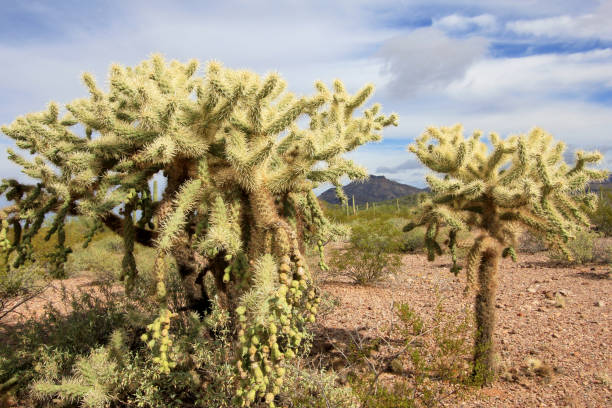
(238, 201)
(522, 183)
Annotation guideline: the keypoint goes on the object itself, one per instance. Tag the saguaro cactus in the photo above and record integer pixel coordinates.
(238, 202)
(523, 182)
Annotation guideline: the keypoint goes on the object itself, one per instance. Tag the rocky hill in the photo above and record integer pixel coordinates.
(606, 185)
(375, 189)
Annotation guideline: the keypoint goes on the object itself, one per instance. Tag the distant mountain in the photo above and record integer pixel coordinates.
(375, 189)
(606, 185)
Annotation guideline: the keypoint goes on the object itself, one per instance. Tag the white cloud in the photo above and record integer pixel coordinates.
(509, 81)
(427, 59)
(592, 25)
(577, 123)
(457, 22)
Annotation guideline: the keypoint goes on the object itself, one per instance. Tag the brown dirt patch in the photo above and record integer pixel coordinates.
(54, 295)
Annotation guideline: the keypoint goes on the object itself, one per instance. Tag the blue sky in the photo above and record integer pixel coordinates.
(503, 66)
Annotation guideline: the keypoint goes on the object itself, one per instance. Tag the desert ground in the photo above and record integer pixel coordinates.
(558, 315)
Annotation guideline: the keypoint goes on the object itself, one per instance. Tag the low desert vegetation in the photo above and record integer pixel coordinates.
(427, 364)
(208, 296)
(372, 253)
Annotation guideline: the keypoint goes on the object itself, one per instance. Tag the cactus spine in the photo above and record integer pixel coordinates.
(523, 183)
(238, 202)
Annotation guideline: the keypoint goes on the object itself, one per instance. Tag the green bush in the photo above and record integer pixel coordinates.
(414, 240)
(582, 249)
(602, 216)
(528, 243)
(371, 253)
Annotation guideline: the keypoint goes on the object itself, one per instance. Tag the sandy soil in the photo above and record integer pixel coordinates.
(54, 294)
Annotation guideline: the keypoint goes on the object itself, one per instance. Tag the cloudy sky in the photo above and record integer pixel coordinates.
(503, 66)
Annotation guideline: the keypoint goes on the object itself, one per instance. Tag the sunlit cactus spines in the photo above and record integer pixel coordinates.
(498, 190)
(238, 204)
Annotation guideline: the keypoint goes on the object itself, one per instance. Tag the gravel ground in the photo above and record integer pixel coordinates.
(558, 315)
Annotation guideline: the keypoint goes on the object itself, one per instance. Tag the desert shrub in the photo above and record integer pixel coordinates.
(428, 362)
(414, 240)
(582, 249)
(371, 253)
(602, 250)
(103, 258)
(115, 373)
(123, 372)
(76, 324)
(602, 216)
(19, 286)
(314, 388)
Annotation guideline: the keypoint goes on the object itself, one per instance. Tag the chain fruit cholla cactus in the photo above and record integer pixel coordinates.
(523, 182)
(238, 202)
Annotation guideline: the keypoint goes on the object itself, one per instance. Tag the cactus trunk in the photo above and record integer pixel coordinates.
(485, 360)
(196, 298)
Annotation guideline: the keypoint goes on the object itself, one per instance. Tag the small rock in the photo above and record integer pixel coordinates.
(600, 303)
(532, 290)
(555, 335)
(565, 292)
